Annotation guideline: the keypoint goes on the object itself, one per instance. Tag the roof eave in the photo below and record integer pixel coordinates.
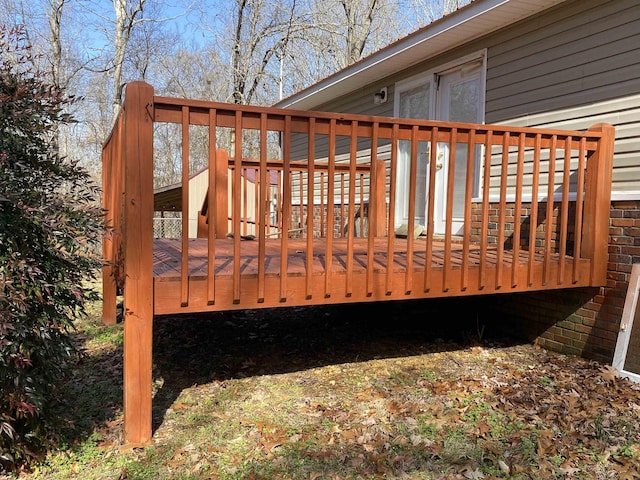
(476, 19)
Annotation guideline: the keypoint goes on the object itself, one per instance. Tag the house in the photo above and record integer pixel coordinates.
(530, 222)
(541, 63)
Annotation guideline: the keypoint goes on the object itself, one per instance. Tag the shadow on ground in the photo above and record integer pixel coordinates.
(198, 349)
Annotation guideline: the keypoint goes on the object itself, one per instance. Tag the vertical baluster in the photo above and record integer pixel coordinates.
(577, 246)
(413, 168)
(431, 208)
(393, 165)
(286, 207)
(549, 220)
(533, 224)
(451, 172)
(372, 213)
(353, 152)
(245, 184)
(256, 200)
(515, 259)
(301, 222)
(330, 206)
(263, 217)
(564, 211)
(503, 208)
(211, 209)
(184, 272)
(484, 231)
(468, 197)
(310, 204)
(235, 210)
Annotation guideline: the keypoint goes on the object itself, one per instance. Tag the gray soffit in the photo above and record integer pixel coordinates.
(472, 21)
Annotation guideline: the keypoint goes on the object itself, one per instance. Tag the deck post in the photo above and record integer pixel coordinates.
(221, 219)
(595, 243)
(138, 269)
(203, 227)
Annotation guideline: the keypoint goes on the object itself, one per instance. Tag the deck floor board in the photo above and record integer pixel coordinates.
(477, 273)
(167, 256)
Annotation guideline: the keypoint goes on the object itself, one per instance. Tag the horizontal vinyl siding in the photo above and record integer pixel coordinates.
(623, 114)
(576, 55)
(571, 68)
(359, 102)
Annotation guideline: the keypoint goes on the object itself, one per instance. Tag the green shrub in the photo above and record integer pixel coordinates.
(50, 228)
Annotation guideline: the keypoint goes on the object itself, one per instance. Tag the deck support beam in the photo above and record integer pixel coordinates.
(138, 257)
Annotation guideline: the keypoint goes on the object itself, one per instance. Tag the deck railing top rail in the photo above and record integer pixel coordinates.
(170, 110)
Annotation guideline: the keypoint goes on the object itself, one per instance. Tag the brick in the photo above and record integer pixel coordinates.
(588, 312)
(630, 250)
(566, 325)
(622, 222)
(583, 329)
(573, 335)
(620, 240)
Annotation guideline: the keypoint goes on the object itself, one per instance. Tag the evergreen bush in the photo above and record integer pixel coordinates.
(50, 230)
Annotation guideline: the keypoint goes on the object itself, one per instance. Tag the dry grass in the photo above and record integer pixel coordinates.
(331, 393)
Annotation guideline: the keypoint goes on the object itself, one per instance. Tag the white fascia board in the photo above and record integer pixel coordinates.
(478, 18)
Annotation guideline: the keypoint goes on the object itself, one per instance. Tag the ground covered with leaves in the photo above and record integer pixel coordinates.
(351, 392)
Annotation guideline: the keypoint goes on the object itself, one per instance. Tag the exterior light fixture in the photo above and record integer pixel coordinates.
(380, 96)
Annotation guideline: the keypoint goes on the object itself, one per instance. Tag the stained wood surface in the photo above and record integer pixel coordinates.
(449, 272)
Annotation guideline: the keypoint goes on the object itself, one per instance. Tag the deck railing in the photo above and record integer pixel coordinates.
(522, 190)
(521, 198)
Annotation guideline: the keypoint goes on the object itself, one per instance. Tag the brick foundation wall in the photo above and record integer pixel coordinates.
(582, 322)
(575, 321)
(340, 220)
(525, 226)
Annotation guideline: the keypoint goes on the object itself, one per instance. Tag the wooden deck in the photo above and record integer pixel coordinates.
(539, 196)
(469, 274)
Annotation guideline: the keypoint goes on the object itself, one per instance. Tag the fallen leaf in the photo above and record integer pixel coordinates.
(180, 406)
(504, 467)
(471, 473)
(609, 373)
(483, 428)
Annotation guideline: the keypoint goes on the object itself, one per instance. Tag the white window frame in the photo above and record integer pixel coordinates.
(430, 76)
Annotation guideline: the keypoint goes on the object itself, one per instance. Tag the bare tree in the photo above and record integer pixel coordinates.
(55, 18)
(422, 12)
(261, 32)
(359, 16)
(127, 15)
